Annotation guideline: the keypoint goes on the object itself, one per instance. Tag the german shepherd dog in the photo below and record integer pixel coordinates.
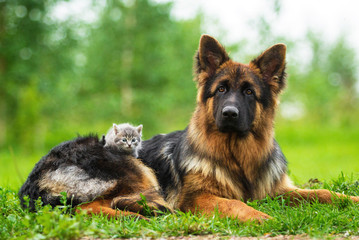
(228, 154)
(102, 180)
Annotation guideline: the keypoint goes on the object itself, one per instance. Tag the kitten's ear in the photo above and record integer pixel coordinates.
(115, 129)
(139, 129)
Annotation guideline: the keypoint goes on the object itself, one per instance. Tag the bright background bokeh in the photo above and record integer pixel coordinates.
(76, 66)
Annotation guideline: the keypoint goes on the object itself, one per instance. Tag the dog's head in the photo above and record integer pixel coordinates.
(238, 98)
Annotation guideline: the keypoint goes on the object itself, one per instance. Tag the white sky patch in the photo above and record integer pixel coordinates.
(80, 10)
(292, 110)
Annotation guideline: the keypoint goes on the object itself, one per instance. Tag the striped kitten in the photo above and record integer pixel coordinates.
(125, 137)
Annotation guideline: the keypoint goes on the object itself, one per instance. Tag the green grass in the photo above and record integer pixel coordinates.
(16, 167)
(315, 151)
(314, 220)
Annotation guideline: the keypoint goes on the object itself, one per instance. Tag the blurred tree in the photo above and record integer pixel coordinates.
(328, 85)
(31, 58)
(140, 59)
(134, 63)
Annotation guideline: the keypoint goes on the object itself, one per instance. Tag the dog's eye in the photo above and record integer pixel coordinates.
(248, 91)
(221, 89)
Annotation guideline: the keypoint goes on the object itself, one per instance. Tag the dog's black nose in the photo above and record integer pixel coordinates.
(230, 112)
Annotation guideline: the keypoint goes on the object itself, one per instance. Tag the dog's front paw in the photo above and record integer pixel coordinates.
(254, 216)
(355, 199)
(146, 205)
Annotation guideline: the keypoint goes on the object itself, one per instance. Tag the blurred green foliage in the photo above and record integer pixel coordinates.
(62, 78)
(133, 63)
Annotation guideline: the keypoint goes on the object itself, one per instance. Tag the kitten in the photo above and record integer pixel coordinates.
(125, 137)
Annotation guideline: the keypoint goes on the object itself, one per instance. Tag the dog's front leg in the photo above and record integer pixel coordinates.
(131, 202)
(208, 204)
(295, 194)
(320, 195)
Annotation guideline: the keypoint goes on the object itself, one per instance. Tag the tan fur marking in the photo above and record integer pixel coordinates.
(209, 170)
(208, 203)
(195, 183)
(101, 206)
(149, 178)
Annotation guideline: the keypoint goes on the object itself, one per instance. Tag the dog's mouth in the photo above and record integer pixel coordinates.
(232, 128)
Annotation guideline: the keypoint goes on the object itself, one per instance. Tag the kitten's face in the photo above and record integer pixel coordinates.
(127, 137)
(127, 142)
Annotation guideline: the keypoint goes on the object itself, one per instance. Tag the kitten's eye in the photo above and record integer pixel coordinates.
(124, 140)
(133, 140)
(221, 89)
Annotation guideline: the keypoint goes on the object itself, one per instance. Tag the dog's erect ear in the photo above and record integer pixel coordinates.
(271, 64)
(211, 54)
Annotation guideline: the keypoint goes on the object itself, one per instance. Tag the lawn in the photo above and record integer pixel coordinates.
(314, 220)
(321, 152)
